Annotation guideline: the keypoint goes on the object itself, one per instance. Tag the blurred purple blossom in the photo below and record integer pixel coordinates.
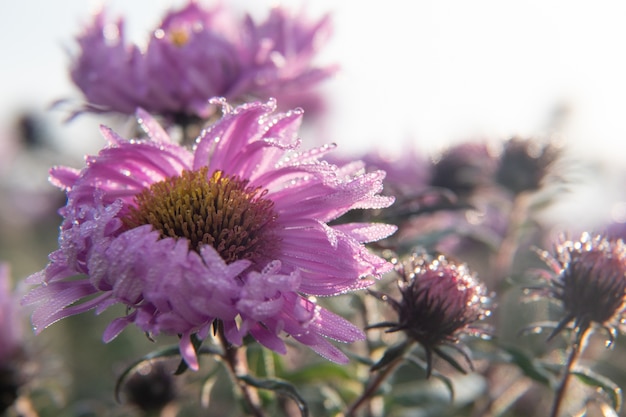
(197, 53)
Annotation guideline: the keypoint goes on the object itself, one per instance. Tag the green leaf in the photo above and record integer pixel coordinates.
(451, 360)
(539, 327)
(528, 365)
(320, 372)
(206, 388)
(435, 374)
(279, 386)
(364, 360)
(610, 388)
(391, 355)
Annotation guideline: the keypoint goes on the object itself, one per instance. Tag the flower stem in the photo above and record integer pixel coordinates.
(237, 365)
(373, 386)
(577, 347)
(509, 245)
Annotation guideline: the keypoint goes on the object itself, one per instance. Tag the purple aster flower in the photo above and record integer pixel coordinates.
(589, 282)
(441, 301)
(188, 59)
(235, 231)
(280, 54)
(194, 54)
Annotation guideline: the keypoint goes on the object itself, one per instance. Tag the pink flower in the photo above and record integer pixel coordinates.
(280, 58)
(195, 54)
(235, 231)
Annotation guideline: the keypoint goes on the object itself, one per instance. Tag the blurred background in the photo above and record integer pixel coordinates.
(423, 74)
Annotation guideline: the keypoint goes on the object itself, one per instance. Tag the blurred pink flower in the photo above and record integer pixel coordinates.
(197, 53)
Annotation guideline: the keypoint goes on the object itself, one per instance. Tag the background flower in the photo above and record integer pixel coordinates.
(589, 282)
(196, 53)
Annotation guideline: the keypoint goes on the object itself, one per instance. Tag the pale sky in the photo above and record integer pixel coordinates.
(430, 71)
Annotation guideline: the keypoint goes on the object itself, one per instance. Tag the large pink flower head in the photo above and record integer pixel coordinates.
(194, 54)
(235, 230)
(589, 282)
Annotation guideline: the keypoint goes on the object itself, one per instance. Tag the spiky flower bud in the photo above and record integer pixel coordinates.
(524, 164)
(464, 168)
(589, 281)
(441, 301)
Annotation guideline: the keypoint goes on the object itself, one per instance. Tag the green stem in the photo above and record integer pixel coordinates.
(237, 365)
(509, 245)
(577, 347)
(373, 386)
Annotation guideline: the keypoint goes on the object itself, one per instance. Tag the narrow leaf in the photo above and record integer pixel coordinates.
(539, 327)
(320, 372)
(391, 355)
(451, 360)
(422, 365)
(528, 365)
(610, 388)
(279, 386)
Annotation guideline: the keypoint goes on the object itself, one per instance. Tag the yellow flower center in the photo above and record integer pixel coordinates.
(219, 210)
(179, 37)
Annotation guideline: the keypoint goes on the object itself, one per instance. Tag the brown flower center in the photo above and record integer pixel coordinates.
(219, 210)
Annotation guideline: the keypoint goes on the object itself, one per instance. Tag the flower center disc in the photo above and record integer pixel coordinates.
(220, 211)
